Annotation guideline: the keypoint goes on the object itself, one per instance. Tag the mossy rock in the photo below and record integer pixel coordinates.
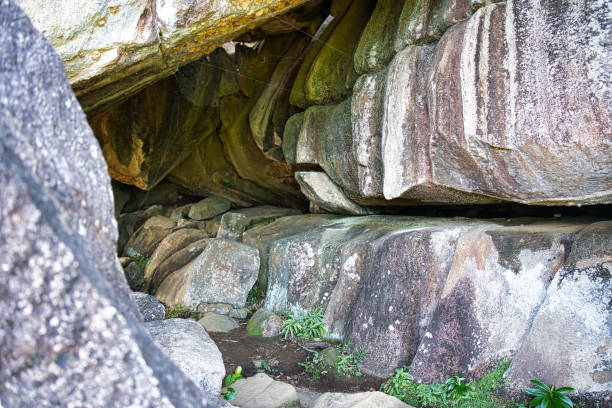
(332, 74)
(376, 44)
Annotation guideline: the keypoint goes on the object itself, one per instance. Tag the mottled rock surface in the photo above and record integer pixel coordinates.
(441, 295)
(496, 283)
(187, 344)
(261, 391)
(217, 323)
(358, 400)
(223, 273)
(149, 307)
(264, 323)
(570, 341)
(466, 119)
(69, 332)
(112, 49)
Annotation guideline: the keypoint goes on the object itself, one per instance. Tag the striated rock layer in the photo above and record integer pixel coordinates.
(451, 295)
(512, 104)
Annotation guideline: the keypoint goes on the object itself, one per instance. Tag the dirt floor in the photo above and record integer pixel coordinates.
(282, 356)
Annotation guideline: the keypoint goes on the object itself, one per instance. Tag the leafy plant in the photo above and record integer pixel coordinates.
(314, 367)
(430, 395)
(230, 393)
(454, 393)
(308, 326)
(548, 396)
(142, 262)
(456, 388)
(400, 385)
(347, 363)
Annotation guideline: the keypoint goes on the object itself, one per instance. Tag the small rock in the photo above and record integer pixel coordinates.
(181, 212)
(188, 345)
(239, 313)
(217, 323)
(261, 391)
(148, 236)
(150, 308)
(232, 226)
(218, 308)
(223, 273)
(358, 400)
(264, 323)
(134, 275)
(212, 226)
(170, 245)
(209, 208)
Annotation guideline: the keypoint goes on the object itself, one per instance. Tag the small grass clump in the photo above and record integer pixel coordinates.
(307, 326)
(346, 363)
(456, 392)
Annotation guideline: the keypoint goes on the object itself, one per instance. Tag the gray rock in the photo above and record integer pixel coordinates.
(238, 313)
(175, 262)
(70, 333)
(149, 307)
(324, 193)
(216, 323)
(209, 207)
(148, 236)
(223, 273)
(496, 283)
(232, 226)
(218, 308)
(188, 345)
(570, 341)
(262, 237)
(358, 400)
(264, 323)
(169, 246)
(261, 391)
(482, 277)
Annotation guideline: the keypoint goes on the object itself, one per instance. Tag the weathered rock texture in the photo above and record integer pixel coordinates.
(188, 345)
(223, 273)
(69, 332)
(449, 295)
(502, 107)
(112, 49)
(574, 321)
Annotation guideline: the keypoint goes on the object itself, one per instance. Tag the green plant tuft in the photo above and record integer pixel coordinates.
(454, 393)
(308, 326)
(230, 393)
(548, 396)
(345, 364)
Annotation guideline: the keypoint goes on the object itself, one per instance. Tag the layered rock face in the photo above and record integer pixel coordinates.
(504, 106)
(112, 49)
(454, 102)
(452, 295)
(70, 333)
